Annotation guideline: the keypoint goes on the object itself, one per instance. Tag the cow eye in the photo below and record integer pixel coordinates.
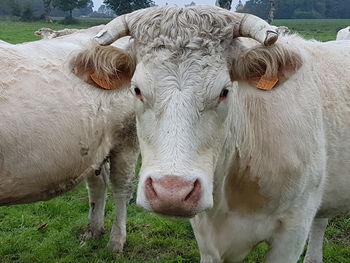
(223, 94)
(137, 91)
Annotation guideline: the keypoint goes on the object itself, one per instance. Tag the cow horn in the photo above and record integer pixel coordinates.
(114, 30)
(256, 28)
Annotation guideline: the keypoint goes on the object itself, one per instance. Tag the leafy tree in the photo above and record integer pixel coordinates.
(47, 9)
(69, 5)
(191, 4)
(299, 8)
(224, 4)
(121, 7)
(85, 10)
(272, 10)
(259, 8)
(106, 11)
(239, 5)
(27, 14)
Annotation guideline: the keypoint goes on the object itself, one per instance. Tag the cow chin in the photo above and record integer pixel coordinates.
(174, 196)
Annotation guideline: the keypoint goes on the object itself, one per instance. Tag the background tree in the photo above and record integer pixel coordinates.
(88, 9)
(47, 9)
(271, 11)
(121, 7)
(191, 4)
(69, 5)
(239, 6)
(224, 4)
(299, 8)
(259, 8)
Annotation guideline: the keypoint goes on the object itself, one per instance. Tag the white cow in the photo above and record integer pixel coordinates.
(4, 43)
(252, 161)
(56, 130)
(48, 33)
(343, 34)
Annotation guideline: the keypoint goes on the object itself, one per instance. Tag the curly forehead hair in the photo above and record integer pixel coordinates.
(181, 25)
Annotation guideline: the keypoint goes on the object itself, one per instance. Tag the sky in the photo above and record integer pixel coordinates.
(98, 3)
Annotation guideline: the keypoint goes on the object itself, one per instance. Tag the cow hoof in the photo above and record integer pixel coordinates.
(92, 234)
(312, 261)
(116, 246)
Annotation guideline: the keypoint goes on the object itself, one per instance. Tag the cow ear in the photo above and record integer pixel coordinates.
(265, 67)
(105, 67)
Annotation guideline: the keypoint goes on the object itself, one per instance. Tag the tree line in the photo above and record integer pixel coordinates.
(29, 10)
(298, 8)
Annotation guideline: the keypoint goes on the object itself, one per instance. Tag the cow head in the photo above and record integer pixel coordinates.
(45, 33)
(181, 86)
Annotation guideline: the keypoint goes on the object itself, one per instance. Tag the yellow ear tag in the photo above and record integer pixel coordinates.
(266, 83)
(100, 81)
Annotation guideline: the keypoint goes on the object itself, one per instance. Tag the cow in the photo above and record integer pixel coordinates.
(243, 131)
(343, 34)
(56, 131)
(48, 33)
(4, 43)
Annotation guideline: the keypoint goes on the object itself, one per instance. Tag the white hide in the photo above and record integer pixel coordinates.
(48, 33)
(343, 34)
(282, 136)
(4, 43)
(294, 140)
(57, 130)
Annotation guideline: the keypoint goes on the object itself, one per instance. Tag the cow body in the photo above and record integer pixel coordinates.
(4, 43)
(286, 158)
(343, 34)
(56, 130)
(249, 165)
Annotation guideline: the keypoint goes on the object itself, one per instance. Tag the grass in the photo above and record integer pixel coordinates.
(151, 238)
(19, 32)
(319, 29)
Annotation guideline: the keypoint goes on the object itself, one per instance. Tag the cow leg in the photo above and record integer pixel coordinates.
(122, 173)
(208, 251)
(97, 188)
(314, 248)
(289, 238)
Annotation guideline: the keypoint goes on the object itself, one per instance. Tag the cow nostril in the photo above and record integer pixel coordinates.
(150, 189)
(194, 192)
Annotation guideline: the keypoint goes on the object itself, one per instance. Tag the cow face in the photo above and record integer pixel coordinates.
(181, 106)
(181, 103)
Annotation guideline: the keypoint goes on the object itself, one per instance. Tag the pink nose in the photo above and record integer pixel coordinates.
(173, 196)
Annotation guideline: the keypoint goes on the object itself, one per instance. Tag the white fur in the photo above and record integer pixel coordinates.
(48, 33)
(57, 130)
(4, 43)
(343, 34)
(293, 138)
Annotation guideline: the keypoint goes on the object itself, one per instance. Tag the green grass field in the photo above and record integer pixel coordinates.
(151, 238)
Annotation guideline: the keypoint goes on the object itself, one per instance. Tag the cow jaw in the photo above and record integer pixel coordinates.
(180, 123)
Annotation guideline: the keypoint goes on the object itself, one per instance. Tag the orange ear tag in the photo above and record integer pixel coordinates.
(266, 83)
(100, 81)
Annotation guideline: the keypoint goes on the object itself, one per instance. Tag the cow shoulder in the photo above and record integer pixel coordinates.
(242, 189)
(106, 67)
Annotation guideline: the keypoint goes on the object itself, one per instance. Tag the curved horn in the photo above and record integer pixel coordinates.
(257, 28)
(114, 30)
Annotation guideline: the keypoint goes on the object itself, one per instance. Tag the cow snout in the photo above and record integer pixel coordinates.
(173, 196)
